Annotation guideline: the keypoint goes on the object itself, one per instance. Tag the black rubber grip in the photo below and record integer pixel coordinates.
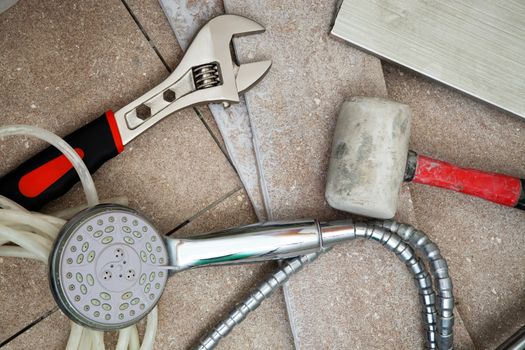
(48, 175)
(521, 199)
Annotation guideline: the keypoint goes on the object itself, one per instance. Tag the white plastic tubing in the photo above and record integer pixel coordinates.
(25, 234)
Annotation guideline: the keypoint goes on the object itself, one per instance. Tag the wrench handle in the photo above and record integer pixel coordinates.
(49, 174)
(494, 187)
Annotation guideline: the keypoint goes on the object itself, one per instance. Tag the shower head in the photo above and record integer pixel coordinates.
(106, 269)
(109, 265)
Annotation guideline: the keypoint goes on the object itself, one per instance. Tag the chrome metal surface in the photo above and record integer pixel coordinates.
(437, 317)
(255, 299)
(442, 328)
(259, 242)
(515, 342)
(249, 74)
(205, 74)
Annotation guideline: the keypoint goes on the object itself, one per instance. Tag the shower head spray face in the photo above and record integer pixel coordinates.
(106, 267)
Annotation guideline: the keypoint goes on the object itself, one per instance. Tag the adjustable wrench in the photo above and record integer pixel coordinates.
(206, 74)
(185, 18)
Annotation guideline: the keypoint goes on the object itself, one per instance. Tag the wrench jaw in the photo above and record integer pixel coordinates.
(206, 74)
(249, 74)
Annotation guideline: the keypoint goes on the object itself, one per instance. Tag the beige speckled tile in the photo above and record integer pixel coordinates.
(51, 333)
(209, 121)
(156, 26)
(173, 173)
(369, 301)
(482, 241)
(293, 109)
(362, 295)
(195, 300)
(125, 72)
(65, 63)
(232, 211)
(24, 294)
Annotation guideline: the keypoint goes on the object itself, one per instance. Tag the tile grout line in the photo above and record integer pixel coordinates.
(187, 221)
(28, 326)
(157, 52)
(204, 210)
(170, 70)
(416, 216)
(456, 309)
(215, 138)
(150, 42)
(178, 227)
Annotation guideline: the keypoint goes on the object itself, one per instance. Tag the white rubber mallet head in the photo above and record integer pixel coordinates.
(369, 156)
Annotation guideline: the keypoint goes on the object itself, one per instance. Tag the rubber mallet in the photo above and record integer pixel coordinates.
(370, 159)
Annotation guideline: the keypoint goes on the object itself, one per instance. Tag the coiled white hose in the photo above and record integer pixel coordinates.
(25, 234)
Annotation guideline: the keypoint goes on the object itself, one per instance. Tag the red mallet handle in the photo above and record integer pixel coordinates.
(497, 188)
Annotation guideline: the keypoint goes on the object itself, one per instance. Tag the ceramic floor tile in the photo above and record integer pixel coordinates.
(65, 63)
(346, 296)
(127, 71)
(189, 15)
(209, 121)
(51, 333)
(195, 300)
(368, 298)
(359, 293)
(169, 176)
(293, 109)
(24, 294)
(156, 26)
(233, 211)
(482, 241)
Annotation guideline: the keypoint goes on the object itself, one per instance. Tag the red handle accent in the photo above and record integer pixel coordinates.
(497, 188)
(40, 179)
(114, 131)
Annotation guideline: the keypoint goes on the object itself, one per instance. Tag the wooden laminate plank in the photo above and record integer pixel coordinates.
(476, 46)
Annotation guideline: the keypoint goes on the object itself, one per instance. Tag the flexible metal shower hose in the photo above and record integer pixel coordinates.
(401, 239)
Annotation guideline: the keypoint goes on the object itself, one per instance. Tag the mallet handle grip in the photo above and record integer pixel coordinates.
(494, 187)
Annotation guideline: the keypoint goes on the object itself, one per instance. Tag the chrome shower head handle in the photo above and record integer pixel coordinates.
(109, 265)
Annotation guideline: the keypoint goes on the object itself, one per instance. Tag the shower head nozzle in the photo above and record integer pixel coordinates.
(105, 268)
